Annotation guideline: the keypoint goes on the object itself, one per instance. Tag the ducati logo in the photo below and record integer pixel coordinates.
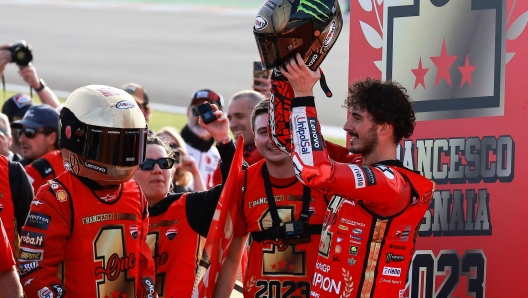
(134, 231)
(171, 233)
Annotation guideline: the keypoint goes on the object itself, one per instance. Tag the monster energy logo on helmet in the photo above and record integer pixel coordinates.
(306, 6)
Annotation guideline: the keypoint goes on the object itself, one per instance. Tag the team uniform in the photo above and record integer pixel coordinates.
(204, 153)
(251, 156)
(47, 167)
(16, 195)
(275, 268)
(86, 242)
(361, 253)
(177, 229)
(7, 259)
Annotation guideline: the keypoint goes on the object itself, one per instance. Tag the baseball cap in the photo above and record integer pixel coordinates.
(208, 95)
(137, 92)
(38, 116)
(17, 105)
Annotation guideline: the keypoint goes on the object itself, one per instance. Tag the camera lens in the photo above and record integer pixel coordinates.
(21, 53)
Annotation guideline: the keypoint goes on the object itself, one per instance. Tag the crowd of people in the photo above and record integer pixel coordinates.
(94, 204)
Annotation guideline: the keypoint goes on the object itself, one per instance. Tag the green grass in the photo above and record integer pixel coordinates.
(159, 119)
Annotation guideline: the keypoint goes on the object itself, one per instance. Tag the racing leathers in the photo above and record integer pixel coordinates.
(371, 224)
(47, 167)
(275, 266)
(86, 241)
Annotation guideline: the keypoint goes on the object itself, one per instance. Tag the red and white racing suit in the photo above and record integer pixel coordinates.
(361, 253)
(86, 243)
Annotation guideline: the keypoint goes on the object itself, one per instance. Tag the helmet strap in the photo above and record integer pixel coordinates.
(323, 84)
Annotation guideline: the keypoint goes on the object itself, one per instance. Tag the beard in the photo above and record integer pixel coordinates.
(369, 142)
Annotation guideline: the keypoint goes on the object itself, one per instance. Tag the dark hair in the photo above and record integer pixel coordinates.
(261, 108)
(165, 145)
(387, 102)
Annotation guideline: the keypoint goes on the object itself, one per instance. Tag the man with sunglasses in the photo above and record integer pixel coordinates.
(37, 133)
(198, 140)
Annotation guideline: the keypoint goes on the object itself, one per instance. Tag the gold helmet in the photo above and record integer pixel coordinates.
(102, 134)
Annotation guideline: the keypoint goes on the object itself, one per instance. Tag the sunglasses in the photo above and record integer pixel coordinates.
(163, 163)
(29, 132)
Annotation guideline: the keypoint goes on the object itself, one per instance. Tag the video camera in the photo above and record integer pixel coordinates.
(21, 53)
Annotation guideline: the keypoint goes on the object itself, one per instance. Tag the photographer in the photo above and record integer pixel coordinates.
(28, 72)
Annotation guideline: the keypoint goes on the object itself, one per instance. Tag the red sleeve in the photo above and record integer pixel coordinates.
(145, 287)
(35, 178)
(42, 242)
(6, 254)
(380, 185)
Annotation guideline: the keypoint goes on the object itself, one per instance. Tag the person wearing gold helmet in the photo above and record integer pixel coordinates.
(87, 228)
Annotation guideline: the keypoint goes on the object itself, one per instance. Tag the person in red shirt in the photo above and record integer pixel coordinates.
(15, 200)
(179, 221)
(86, 233)
(371, 225)
(9, 281)
(284, 219)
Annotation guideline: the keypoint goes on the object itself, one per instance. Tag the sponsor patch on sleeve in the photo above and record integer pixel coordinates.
(38, 220)
(359, 176)
(369, 175)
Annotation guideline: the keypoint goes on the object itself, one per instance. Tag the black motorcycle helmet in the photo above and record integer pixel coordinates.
(284, 28)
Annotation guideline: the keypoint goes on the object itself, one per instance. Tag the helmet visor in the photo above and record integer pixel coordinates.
(277, 48)
(123, 147)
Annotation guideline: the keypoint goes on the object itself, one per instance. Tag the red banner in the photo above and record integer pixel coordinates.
(464, 63)
(220, 233)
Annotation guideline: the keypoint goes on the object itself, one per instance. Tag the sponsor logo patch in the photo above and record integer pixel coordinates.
(260, 23)
(38, 220)
(171, 233)
(28, 254)
(32, 238)
(315, 137)
(359, 177)
(125, 104)
(134, 231)
(391, 271)
(369, 175)
(61, 195)
(390, 257)
(95, 167)
(353, 250)
(330, 35)
(27, 268)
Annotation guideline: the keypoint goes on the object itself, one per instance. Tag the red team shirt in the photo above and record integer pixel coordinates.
(176, 248)
(87, 243)
(361, 254)
(276, 269)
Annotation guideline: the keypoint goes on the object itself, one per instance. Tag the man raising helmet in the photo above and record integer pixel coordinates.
(86, 230)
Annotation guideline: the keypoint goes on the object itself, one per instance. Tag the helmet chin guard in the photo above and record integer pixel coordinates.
(284, 28)
(102, 134)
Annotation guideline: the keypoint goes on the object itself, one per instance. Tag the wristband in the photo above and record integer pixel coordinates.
(41, 87)
(223, 142)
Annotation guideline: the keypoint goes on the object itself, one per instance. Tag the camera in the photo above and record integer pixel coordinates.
(206, 112)
(294, 233)
(21, 53)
